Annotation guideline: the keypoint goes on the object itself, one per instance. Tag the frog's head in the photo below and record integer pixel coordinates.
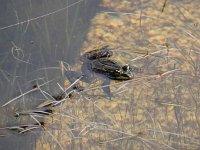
(125, 73)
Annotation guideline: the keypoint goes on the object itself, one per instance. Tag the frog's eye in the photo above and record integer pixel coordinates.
(126, 67)
(117, 72)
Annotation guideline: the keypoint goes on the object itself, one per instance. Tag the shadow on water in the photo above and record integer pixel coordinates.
(35, 35)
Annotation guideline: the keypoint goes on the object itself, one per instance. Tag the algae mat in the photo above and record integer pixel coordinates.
(159, 108)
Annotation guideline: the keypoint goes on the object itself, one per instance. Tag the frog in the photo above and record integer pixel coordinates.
(112, 69)
(97, 63)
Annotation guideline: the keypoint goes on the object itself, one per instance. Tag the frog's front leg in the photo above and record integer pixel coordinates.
(106, 87)
(88, 75)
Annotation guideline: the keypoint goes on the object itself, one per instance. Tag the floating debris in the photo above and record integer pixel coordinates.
(46, 103)
(164, 5)
(60, 96)
(24, 128)
(48, 111)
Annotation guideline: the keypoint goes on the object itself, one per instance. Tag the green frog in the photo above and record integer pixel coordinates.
(98, 63)
(112, 69)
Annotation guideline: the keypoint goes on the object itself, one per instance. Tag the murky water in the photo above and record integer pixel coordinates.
(35, 36)
(158, 109)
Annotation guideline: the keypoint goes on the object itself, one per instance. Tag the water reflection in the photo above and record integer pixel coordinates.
(35, 36)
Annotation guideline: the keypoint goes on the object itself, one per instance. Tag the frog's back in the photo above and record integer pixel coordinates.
(103, 52)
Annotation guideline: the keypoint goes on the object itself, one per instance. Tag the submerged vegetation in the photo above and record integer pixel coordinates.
(157, 109)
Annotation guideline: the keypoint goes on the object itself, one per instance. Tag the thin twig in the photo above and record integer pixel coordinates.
(32, 90)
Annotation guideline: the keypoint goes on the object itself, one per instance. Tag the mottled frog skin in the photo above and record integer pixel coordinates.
(112, 69)
(103, 52)
(98, 63)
